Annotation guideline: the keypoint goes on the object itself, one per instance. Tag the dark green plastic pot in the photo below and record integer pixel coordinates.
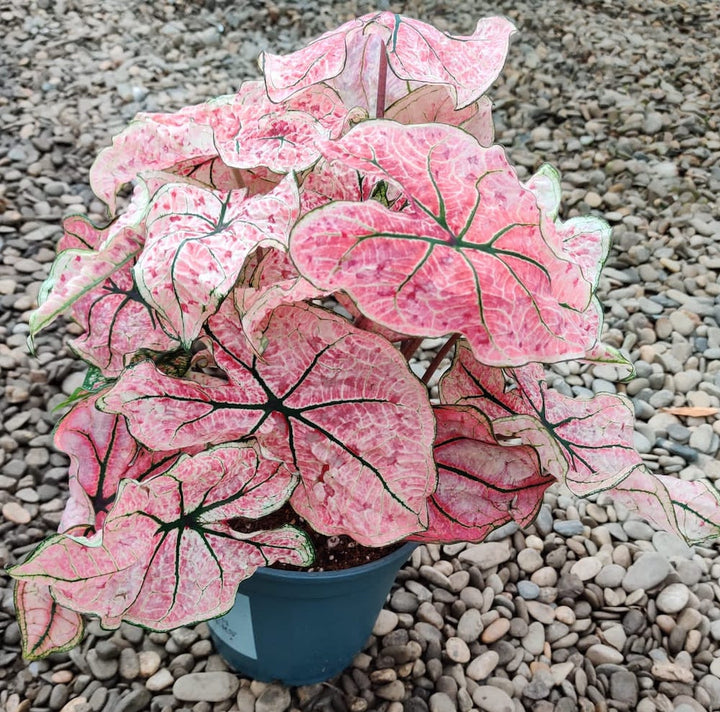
(302, 627)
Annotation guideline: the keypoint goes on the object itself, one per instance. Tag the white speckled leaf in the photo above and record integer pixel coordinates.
(197, 243)
(691, 509)
(45, 626)
(309, 400)
(166, 556)
(469, 254)
(586, 443)
(348, 59)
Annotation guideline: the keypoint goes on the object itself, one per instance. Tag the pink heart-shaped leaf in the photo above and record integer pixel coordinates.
(155, 141)
(45, 626)
(469, 254)
(281, 137)
(348, 59)
(481, 484)
(586, 443)
(117, 324)
(166, 556)
(197, 243)
(434, 104)
(691, 509)
(75, 272)
(319, 382)
(102, 452)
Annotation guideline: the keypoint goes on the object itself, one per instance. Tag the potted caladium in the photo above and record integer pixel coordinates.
(247, 321)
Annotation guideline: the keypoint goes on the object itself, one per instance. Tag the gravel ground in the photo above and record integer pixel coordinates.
(589, 609)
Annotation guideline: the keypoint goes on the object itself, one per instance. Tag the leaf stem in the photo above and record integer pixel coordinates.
(409, 347)
(381, 83)
(238, 176)
(439, 358)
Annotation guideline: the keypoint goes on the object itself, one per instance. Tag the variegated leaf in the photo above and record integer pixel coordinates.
(586, 443)
(281, 137)
(76, 271)
(309, 400)
(586, 239)
(102, 452)
(46, 627)
(197, 243)
(166, 556)
(691, 509)
(348, 59)
(470, 254)
(273, 281)
(155, 141)
(434, 104)
(117, 324)
(482, 485)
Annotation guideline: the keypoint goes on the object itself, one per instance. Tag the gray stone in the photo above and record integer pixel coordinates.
(102, 669)
(487, 556)
(673, 598)
(483, 665)
(470, 625)
(440, 702)
(129, 665)
(534, 641)
(274, 698)
(638, 530)
(404, 601)
(528, 590)
(540, 686)
(624, 687)
(600, 654)
(492, 699)
(648, 571)
(544, 521)
(206, 687)
(134, 701)
(245, 700)
(386, 621)
(671, 545)
(457, 650)
(568, 527)
(610, 576)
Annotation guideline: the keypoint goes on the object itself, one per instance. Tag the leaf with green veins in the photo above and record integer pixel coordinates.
(197, 243)
(284, 137)
(482, 484)
(585, 443)
(171, 523)
(434, 104)
(348, 57)
(102, 452)
(155, 141)
(471, 252)
(77, 271)
(46, 627)
(691, 509)
(309, 401)
(119, 327)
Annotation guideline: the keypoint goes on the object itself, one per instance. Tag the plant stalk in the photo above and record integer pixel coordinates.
(409, 347)
(445, 349)
(381, 83)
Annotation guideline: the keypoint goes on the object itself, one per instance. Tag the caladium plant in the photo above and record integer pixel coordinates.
(248, 318)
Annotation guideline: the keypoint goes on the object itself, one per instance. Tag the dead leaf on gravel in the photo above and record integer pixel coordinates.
(692, 411)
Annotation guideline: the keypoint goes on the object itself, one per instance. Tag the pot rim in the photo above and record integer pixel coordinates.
(402, 553)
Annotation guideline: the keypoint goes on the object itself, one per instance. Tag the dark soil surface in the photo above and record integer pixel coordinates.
(332, 553)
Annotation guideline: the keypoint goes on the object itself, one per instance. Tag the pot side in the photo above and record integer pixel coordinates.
(302, 627)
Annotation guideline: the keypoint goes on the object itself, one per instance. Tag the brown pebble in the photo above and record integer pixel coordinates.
(496, 630)
(16, 513)
(62, 677)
